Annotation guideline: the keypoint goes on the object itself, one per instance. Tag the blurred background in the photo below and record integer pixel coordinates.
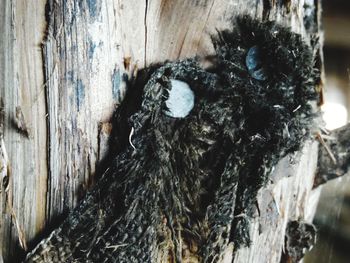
(333, 211)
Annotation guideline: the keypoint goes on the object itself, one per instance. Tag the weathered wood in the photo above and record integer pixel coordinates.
(22, 207)
(285, 199)
(68, 96)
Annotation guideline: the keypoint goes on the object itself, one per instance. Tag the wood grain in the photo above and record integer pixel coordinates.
(23, 204)
(67, 74)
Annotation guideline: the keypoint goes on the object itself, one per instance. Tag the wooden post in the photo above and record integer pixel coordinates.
(63, 66)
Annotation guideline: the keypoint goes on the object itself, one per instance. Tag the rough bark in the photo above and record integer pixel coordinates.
(67, 97)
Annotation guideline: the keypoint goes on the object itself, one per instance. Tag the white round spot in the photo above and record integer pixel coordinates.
(181, 99)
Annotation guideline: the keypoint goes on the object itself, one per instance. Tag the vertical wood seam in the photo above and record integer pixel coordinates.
(145, 24)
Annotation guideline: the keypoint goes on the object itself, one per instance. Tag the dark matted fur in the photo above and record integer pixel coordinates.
(181, 187)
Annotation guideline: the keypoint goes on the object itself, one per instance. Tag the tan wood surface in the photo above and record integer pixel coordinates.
(65, 77)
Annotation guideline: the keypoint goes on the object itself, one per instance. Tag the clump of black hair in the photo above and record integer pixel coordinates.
(300, 238)
(177, 185)
(277, 107)
(276, 93)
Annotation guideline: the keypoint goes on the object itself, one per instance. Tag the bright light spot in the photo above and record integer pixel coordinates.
(334, 114)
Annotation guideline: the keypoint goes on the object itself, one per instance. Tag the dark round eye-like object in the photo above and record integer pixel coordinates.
(180, 99)
(254, 63)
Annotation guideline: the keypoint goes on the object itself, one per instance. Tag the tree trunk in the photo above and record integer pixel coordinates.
(63, 66)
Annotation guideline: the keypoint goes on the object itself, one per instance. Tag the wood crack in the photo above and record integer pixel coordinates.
(145, 24)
